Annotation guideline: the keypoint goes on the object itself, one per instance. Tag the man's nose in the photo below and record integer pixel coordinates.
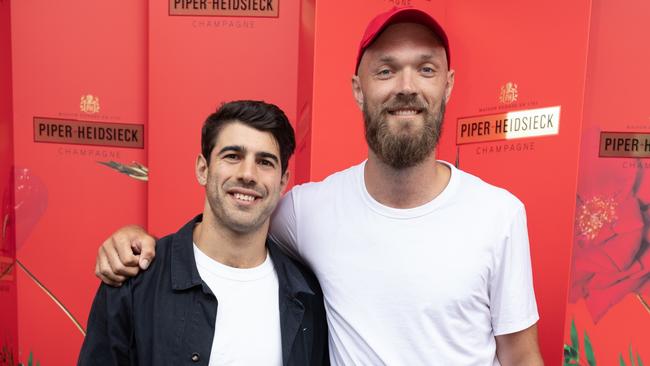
(247, 170)
(407, 84)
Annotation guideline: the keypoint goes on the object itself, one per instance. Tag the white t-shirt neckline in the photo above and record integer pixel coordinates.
(247, 329)
(221, 270)
(409, 213)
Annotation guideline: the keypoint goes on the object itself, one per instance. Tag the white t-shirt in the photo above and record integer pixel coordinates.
(247, 328)
(430, 285)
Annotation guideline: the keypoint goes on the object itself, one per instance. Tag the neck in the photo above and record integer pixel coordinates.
(405, 188)
(234, 249)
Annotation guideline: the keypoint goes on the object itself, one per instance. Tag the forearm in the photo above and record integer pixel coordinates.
(521, 359)
(519, 348)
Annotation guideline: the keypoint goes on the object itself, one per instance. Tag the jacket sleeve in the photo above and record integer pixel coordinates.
(320, 354)
(109, 337)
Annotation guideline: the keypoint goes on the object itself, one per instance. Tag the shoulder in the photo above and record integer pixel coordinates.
(331, 184)
(482, 195)
(167, 248)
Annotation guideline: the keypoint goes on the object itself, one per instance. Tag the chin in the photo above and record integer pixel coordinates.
(245, 226)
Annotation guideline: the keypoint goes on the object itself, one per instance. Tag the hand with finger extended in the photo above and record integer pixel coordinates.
(123, 254)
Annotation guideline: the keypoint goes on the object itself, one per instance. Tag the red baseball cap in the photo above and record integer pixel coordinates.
(407, 14)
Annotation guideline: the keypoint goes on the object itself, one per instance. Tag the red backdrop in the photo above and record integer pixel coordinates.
(611, 256)
(140, 65)
(66, 202)
(514, 43)
(8, 297)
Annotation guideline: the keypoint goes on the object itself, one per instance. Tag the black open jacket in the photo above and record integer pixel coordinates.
(166, 315)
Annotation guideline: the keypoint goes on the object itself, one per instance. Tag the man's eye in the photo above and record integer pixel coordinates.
(231, 157)
(267, 163)
(383, 73)
(427, 70)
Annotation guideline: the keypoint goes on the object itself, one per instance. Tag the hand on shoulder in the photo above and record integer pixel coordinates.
(123, 254)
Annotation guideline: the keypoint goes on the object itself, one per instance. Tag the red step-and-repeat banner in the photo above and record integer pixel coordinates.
(79, 135)
(608, 315)
(102, 106)
(8, 298)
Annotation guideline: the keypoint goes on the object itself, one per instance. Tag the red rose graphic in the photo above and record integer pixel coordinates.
(611, 258)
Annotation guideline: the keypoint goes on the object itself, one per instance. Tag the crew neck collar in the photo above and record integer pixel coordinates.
(407, 213)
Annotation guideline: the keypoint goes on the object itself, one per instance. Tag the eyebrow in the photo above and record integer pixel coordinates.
(243, 150)
(390, 59)
(386, 59)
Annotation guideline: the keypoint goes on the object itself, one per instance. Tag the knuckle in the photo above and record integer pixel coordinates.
(130, 258)
(119, 268)
(104, 272)
(117, 237)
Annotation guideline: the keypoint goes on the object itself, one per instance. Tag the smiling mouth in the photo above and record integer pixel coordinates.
(404, 112)
(243, 197)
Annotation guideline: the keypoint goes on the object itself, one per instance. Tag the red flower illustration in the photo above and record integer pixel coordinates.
(611, 258)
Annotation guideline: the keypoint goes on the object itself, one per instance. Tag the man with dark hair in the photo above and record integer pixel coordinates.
(220, 291)
(420, 263)
(261, 116)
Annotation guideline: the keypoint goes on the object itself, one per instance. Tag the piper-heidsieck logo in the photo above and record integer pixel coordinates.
(624, 145)
(508, 126)
(226, 8)
(89, 104)
(79, 132)
(509, 93)
(65, 131)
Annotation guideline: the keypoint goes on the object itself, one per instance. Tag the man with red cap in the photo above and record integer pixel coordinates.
(419, 262)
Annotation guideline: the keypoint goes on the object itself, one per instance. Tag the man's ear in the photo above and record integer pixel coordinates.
(357, 92)
(201, 170)
(284, 180)
(450, 84)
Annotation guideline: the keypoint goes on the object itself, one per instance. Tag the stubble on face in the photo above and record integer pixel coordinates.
(407, 144)
(237, 218)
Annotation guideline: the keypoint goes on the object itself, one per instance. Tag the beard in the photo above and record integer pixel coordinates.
(410, 145)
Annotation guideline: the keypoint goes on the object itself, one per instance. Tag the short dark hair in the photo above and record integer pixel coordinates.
(259, 115)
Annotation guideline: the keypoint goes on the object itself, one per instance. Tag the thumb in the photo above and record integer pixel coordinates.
(147, 252)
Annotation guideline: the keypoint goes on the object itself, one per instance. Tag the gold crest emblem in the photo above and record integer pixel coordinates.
(508, 93)
(89, 104)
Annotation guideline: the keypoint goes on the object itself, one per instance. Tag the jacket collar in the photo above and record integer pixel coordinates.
(292, 283)
(183, 265)
(185, 275)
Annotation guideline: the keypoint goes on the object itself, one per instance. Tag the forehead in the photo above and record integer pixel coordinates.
(237, 133)
(408, 38)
